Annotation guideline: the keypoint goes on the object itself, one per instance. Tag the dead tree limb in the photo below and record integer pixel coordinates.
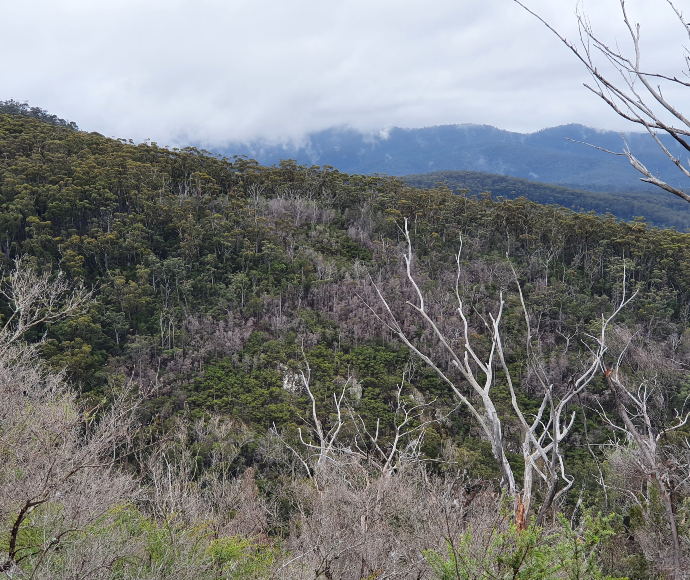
(632, 92)
(632, 407)
(543, 433)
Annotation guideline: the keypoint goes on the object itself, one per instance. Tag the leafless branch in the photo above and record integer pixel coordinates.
(623, 97)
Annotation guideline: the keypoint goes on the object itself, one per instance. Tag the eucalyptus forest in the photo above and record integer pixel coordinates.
(213, 369)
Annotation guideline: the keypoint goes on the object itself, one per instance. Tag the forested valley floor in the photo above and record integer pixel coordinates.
(203, 374)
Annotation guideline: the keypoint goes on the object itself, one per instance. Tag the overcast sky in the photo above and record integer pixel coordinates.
(213, 71)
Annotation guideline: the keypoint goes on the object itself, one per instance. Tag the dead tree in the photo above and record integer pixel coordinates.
(543, 433)
(37, 299)
(321, 446)
(636, 94)
(632, 405)
(367, 462)
(56, 457)
(326, 439)
(404, 446)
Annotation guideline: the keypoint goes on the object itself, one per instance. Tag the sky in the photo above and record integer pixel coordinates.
(216, 71)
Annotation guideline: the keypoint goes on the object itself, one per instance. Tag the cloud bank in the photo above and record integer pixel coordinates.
(218, 71)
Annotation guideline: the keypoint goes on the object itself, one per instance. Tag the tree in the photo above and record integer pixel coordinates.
(642, 407)
(13, 107)
(638, 95)
(542, 432)
(56, 461)
(323, 445)
(70, 507)
(37, 299)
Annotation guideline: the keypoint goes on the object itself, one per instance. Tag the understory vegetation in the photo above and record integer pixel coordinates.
(214, 369)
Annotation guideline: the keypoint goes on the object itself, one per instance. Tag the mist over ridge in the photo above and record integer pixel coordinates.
(552, 155)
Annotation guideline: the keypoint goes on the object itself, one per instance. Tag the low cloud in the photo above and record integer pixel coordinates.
(217, 71)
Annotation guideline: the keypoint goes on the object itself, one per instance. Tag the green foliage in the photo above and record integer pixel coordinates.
(255, 396)
(249, 386)
(239, 558)
(169, 546)
(210, 274)
(13, 107)
(531, 554)
(660, 210)
(182, 247)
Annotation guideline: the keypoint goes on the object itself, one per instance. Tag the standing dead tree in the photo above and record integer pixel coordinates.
(638, 95)
(634, 408)
(542, 433)
(321, 446)
(56, 461)
(37, 299)
(404, 445)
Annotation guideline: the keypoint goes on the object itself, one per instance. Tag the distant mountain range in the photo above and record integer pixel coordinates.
(548, 166)
(549, 155)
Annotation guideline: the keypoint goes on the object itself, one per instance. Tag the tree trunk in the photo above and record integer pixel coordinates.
(671, 517)
(548, 501)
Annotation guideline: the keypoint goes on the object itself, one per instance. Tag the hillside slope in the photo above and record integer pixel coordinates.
(194, 255)
(657, 207)
(217, 282)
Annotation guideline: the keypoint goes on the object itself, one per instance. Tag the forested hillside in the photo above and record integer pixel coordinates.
(659, 210)
(242, 308)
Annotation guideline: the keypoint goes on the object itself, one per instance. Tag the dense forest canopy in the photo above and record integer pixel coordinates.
(658, 210)
(217, 280)
(13, 107)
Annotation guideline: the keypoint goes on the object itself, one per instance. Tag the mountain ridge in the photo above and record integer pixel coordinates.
(550, 155)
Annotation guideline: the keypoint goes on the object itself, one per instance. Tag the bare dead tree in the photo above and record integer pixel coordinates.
(633, 92)
(543, 436)
(37, 299)
(542, 433)
(404, 446)
(53, 453)
(633, 407)
(318, 451)
(326, 439)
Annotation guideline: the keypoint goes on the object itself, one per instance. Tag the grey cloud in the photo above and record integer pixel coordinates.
(213, 71)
